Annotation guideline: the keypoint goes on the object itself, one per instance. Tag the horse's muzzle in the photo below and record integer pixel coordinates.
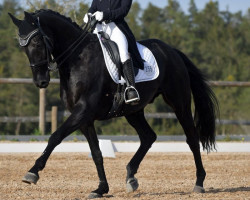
(42, 83)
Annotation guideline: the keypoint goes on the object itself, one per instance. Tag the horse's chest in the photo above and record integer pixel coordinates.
(73, 93)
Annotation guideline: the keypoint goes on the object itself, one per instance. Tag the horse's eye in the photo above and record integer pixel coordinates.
(37, 41)
(36, 44)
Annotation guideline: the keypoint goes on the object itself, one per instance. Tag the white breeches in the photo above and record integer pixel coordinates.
(117, 36)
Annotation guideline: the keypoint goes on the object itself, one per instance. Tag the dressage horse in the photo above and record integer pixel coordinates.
(87, 90)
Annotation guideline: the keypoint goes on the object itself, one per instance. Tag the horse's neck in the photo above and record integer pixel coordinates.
(64, 33)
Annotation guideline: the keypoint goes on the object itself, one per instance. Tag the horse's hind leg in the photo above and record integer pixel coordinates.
(147, 137)
(183, 112)
(193, 142)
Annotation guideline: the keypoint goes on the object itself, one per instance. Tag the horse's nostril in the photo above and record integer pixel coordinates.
(43, 84)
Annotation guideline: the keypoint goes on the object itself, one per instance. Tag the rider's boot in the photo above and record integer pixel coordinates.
(131, 95)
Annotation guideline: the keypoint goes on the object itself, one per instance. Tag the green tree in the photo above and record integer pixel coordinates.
(192, 10)
(175, 24)
(152, 19)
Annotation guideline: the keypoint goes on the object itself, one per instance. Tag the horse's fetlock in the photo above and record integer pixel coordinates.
(131, 171)
(201, 174)
(40, 164)
(104, 187)
(129, 168)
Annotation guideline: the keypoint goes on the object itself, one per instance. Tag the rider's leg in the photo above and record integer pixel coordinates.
(128, 70)
(131, 93)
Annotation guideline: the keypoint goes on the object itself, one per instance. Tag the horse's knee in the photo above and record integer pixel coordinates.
(153, 138)
(55, 139)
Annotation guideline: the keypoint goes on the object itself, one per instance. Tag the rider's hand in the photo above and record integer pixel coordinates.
(98, 15)
(86, 17)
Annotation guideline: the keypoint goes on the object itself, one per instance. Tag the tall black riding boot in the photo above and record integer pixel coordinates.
(130, 95)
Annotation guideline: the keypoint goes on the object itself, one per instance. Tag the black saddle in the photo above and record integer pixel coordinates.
(113, 51)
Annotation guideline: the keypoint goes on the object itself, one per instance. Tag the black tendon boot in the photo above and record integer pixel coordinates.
(131, 95)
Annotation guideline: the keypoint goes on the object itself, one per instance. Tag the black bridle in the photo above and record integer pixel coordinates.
(53, 63)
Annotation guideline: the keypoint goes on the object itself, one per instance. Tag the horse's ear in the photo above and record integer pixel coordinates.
(30, 19)
(16, 21)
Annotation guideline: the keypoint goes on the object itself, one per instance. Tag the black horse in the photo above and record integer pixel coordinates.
(88, 91)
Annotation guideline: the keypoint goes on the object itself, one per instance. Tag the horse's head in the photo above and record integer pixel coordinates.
(37, 46)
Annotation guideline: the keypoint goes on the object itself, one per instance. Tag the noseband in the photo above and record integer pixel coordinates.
(52, 63)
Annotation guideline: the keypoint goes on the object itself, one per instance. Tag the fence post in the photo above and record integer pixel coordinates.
(42, 116)
(54, 119)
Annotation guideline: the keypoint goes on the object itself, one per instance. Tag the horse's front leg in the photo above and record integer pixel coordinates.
(71, 124)
(90, 134)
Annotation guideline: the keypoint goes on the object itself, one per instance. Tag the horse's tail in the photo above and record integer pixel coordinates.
(206, 105)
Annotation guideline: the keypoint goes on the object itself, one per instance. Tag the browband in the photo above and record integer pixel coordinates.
(24, 40)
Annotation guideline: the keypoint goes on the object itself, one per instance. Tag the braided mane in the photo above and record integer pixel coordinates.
(68, 19)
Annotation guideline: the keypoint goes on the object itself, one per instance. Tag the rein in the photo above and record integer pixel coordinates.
(53, 64)
(74, 45)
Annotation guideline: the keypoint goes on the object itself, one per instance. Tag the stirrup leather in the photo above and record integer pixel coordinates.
(127, 101)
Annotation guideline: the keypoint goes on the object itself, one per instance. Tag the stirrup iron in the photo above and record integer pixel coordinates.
(127, 101)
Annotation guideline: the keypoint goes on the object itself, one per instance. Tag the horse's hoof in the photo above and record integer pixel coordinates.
(30, 178)
(94, 195)
(198, 189)
(132, 185)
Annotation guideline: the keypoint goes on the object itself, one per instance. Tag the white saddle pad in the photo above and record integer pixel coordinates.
(150, 72)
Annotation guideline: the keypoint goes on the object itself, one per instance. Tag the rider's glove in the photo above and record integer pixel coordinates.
(98, 15)
(86, 17)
